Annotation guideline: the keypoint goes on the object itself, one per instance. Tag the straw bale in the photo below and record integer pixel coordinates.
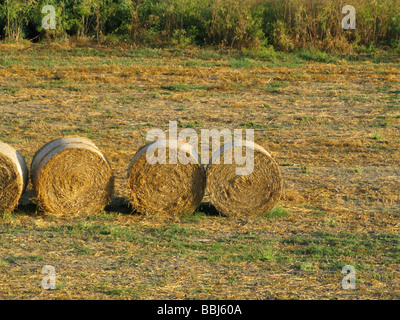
(238, 195)
(71, 176)
(167, 188)
(13, 177)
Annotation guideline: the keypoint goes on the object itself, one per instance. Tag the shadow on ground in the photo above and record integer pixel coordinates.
(122, 205)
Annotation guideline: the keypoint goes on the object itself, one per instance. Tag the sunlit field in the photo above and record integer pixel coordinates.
(331, 121)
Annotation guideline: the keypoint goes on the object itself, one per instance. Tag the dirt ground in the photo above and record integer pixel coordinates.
(333, 128)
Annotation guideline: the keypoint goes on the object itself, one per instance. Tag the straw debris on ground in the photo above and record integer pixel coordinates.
(331, 125)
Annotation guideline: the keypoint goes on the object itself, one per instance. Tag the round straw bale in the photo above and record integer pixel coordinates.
(239, 195)
(71, 176)
(13, 177)
(167, 188)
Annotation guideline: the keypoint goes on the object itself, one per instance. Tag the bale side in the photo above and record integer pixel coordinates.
(49, 146)
(73, 178)
(253, 194)
(13, 177)
(166, 189)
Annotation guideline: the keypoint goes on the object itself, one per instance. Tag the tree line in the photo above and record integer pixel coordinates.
(285, 24)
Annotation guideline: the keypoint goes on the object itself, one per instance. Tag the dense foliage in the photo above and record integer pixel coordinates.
(285, 24)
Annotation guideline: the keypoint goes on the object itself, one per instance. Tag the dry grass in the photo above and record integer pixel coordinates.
(332, 128)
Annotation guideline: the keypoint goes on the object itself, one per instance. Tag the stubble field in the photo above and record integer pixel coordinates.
(332, 123)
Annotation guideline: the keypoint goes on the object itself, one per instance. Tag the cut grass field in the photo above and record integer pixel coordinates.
(332, 123)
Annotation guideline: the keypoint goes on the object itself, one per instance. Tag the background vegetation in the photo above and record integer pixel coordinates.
(284, 24)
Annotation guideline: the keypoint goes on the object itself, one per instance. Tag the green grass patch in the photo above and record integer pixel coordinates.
(277, 212)
(273, 87)
(16, 258)
(242, 62)
(376, 136)
(316, 56)
(328, 249)
(253, 125)
(183, 87)
(195, 124)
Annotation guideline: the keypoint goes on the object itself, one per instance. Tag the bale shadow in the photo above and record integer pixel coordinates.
(27, 206)
(120, 205)
(29, 209)
(208, 209)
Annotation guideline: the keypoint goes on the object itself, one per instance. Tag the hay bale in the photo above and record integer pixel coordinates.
(251, 194)
(71, 176)
(13, 177)
(165, 189)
